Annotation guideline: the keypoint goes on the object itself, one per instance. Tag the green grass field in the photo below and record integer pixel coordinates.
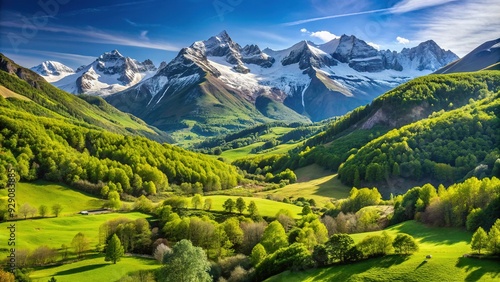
(266, 207)
(94, 270)
(53, 232)
(49, 194)
(313, 182)
(446, 245)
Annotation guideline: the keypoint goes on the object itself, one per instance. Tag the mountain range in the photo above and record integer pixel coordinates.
(109, 73)
(215, 86)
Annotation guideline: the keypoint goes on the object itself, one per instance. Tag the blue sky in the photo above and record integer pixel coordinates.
(75, 32)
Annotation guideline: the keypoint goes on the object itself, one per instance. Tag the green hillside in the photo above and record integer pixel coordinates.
(446, 147)
(313, 182)
(48, 194)
(95, 269)
(446, 246)
(413, 101)
(55, 231)
(49, 101)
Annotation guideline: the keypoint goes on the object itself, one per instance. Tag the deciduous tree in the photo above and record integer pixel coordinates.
(274, 237)
(258, 254)
(494, 238)
(42, 210)
(240, 205)
(404, 244)
(196, 201)
(56, 209)
(229, 205)
(479, 240)
(338, 245)
(207, 205)
(186, 263)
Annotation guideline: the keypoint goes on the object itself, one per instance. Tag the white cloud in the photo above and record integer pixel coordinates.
(324, 35)
(376, 46)
(463, 26)
(144, 35)
(402, 40)
(92, 35)
(406, 6)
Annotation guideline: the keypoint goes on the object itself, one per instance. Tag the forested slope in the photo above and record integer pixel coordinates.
(89, 111)
(59, 137)
(446, 147)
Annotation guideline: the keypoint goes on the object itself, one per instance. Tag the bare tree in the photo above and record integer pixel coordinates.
(252, 234)
(160, 252)
(56, 209)
(25, 209)
(80, 244)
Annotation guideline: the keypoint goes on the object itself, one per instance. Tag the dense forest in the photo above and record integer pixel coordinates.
(445, 147)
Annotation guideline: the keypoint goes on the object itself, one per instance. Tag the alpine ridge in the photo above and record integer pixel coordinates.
(316, 81)
(109, 73)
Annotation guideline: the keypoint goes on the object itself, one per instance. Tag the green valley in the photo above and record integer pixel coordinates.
(405, 188)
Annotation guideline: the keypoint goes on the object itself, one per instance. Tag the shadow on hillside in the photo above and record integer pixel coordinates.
(325, 188)
(344, 272)
(433, 235)
(477, 268)
(81, 269)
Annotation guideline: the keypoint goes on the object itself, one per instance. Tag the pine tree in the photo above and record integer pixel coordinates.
(114, 251)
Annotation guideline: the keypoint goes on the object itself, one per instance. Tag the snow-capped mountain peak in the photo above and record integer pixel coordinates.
(52, 70)
(109, 73)
(317, 80)
(111, 56)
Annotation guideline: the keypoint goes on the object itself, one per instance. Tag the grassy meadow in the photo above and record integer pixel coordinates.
(446, 245)
(53, 232)
(41, 192)
(94, 270)
(313, 182)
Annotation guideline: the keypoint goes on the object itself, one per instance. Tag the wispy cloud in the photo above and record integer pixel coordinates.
(144, 35)
(334, 16)
(105, 8)
(92, 35)
(136, 24)
(463, 26)
(402, 40)
(406, 6)
(76, 58)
